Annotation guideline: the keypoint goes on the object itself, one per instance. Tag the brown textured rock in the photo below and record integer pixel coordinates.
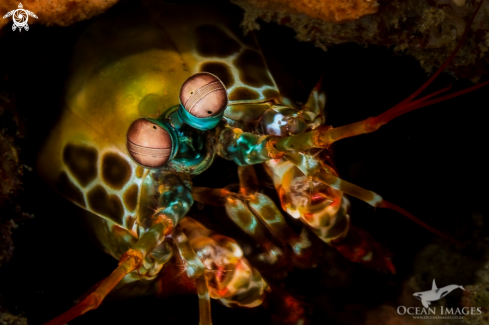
(57, 12)
(332, 11)
(11, 130)
(8, 319)
(426, 30)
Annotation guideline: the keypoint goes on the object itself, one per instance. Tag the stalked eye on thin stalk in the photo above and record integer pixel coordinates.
(203, 99)
(151, 143)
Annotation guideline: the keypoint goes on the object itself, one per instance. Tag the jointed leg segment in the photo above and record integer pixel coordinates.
(175, 202)
(130, 261)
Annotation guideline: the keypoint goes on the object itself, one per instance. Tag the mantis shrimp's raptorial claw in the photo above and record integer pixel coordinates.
(267, 212)
(323, 136)
(239, 212)
(308, 188)
(146, 175)
(255, 213)
(320, 172)
(320, 205)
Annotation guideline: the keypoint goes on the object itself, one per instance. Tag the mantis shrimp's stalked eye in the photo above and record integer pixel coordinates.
(151, 143)
(203, 99)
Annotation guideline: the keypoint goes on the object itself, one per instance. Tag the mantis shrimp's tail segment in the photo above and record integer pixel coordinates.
(374, 200)
(127, 264)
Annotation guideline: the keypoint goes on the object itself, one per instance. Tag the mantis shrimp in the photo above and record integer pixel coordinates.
(91, 161)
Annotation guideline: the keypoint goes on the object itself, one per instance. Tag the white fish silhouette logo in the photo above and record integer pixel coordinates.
(20, 17)
(435, 293)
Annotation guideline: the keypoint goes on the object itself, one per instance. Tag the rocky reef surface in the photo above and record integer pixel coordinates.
(57, 12)
(426, 30)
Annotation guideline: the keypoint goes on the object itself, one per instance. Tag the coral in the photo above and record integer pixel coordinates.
(57, 12)
(326, 10)
(427, 30)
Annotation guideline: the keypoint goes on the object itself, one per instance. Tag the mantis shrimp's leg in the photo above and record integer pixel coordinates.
(220, 270)
(239, 212)
(374, 200)
(204, 301)
(130, 261)
(93, 300)
(175, 202)
(195, 269)
(267, 212)
(313, 110)
(325, 210)
(230, 277)
(330, 224)
(254, 213)
(314, 169)
(246, 149)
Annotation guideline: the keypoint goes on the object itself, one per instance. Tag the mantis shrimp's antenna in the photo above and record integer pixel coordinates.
(408, 105)
(325, 136)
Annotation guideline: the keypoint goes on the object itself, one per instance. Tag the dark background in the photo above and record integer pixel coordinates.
(432, 162)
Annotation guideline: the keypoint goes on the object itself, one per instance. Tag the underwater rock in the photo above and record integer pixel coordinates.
(58, 12)
(451, 264)
(10, 175)
(477, 295)
(325, 10)
(387, 315)
(426, 30)
(9, 319)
